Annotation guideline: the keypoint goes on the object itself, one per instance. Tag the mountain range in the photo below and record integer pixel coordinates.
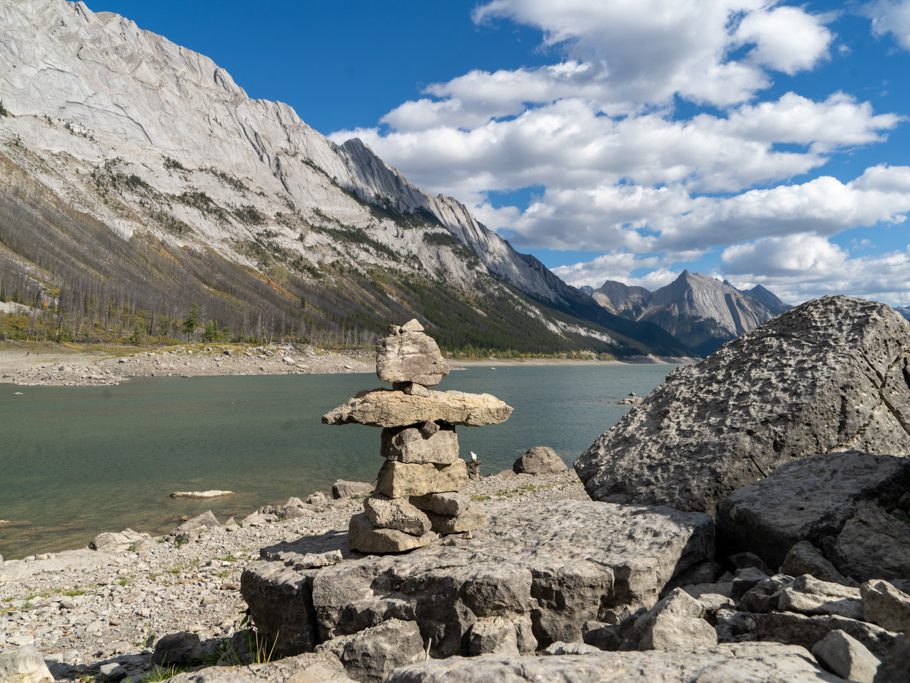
(144, 194)
(701, 312)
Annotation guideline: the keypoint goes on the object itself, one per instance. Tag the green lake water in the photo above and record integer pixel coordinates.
(75, 461)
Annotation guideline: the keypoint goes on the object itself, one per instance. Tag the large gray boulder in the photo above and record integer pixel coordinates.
(539, 460)
(752, 662)
(830, 375)
(557, 564)
(831, 500)
(372, 654)
(23, 665)
(844, 655)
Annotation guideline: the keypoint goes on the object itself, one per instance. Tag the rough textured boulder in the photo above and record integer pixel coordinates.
(347, 489)
(875, 542)
(815, 500)
(539, 460)
(409, 355)
(885, 605)
(390, 408)
(372, 654)
(178, 649)
(675, 623)
(116, 541)
(801, 629)
(830, 375)
(807, 595)
(23, 665)
(805, 558)
(559, 564)
(845, 656)
(752, 662)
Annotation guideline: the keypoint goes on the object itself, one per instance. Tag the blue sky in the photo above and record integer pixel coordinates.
(625, 139)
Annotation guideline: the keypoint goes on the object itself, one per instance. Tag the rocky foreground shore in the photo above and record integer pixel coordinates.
(100, 613)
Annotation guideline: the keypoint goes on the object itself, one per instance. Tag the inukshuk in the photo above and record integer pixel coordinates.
(419, 491)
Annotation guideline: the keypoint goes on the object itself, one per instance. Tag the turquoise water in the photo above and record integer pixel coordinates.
(75, 461)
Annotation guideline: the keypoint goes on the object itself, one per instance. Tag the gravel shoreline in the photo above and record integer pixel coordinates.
(67, 367)
(99, 613)
(52, 365)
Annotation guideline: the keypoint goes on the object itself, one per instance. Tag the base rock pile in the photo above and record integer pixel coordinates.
(830, 375)
(417, 495)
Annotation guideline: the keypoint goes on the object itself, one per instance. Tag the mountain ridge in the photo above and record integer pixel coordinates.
(700, 311)
(159, 144)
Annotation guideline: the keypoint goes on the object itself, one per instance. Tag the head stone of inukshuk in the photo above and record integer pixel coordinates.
(419, 491)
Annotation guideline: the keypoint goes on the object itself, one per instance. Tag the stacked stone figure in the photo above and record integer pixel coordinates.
(419, 488)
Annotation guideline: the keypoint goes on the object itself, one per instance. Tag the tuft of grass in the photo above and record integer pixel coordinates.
(260, 651)
(122, 581)
(73, 592)
(480, 498)
(160, 673)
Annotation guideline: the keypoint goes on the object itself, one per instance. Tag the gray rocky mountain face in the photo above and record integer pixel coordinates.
(831, 375)
(156, 176)
(699, 311)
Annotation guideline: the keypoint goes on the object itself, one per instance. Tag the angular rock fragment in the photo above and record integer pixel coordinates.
(737, 416)
(112, 542)
(427, 444)
(844, 655)
(805, 558)
(398, 479)
(675, 622)
(372, 654)
(811, 596)
(499, 635)
(469, 520)
(409, 355)
(813, 499)
(364, 537)
(885, 605)
(874, 543)
(397, 514)
(347, 489)
(806, 630)
(450, 503)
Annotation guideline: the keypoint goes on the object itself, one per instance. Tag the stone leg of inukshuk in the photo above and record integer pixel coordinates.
(419, 488)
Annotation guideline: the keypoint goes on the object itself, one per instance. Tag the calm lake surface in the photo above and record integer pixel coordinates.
(75, 461)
